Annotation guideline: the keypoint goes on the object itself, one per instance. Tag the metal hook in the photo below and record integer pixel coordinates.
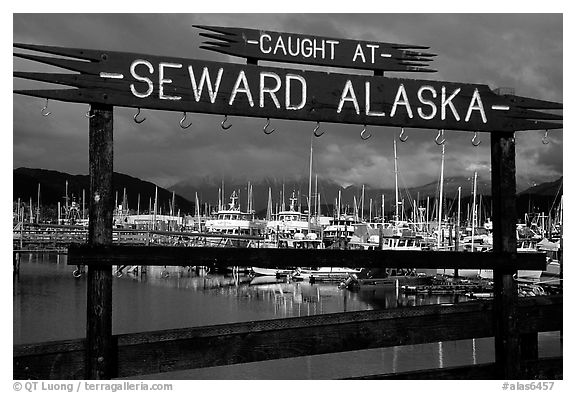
(224, 121)
(545, 139)
(474, 138)
(265, 129)
(401, 134)
(440, 133)
(316, 130)
(136, 115)
(182, 122)
(43, 111)
(363, 132)
(88, 115)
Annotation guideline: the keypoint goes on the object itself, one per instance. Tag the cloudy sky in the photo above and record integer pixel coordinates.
(519, 51)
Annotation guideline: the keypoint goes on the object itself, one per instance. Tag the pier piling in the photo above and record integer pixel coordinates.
(99, 342)
(506, 336)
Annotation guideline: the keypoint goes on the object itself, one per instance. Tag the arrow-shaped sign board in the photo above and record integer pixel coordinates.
(189, 85)
(323, 51)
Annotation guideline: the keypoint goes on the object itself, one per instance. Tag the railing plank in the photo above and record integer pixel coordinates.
(546, 368)
(180, 349)
(274, 257)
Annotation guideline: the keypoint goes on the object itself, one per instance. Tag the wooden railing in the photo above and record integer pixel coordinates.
(219, 345)
(59, 237)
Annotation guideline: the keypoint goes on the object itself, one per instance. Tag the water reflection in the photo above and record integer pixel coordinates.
(49, 304)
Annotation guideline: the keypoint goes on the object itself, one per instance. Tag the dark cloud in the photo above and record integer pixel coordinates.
(522, 51)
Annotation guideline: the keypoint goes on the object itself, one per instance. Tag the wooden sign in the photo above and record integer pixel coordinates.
(304, 49)
(186, 85)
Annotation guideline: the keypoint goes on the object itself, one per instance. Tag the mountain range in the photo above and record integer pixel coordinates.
(53, 190)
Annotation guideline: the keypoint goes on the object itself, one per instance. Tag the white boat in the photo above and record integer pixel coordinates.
(341, 228)
(324, 273)
(300, 242)
(232, 221)
(290, 222)
(523, 247)
(262, 271)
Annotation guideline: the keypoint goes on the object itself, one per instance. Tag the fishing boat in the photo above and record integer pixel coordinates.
(340, 228)
(290, 222)
(232, 221)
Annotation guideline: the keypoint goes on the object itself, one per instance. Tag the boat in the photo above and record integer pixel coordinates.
(262, 271)
(290, 222)
(340, 228)
(232, 221)
(299, 241)
(323, 273)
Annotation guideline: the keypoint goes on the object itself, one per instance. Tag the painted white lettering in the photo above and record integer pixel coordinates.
(162, 81)
(368, 111)
(289, 78)
(448, 101)
(478, 106)
(359, 52)
(306, 47)
(320, 49)
(280, 44)
(245, 89)
(268, 38)
(401, 93)
(205, 79)
(271, 91)
(348, 90)
(332, 43)
(297, 51)
(141, 78)
(424, 101)
(373, 50)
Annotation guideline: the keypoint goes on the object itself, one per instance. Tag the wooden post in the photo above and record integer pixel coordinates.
(506, 338)
(100, 354)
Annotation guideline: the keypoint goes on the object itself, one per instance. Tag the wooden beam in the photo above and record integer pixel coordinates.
(180, 349)
(260, 44)
(506, 340)
(275, 257)
(133, 80)
(100, 362)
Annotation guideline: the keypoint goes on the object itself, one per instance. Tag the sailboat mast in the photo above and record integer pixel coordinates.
(269, 205)
(427, 213)
(362, 205)
(155, 207)
(316, 197)
(474, 209)
(396, 182)
(457, 229)
(310, 185)
(38, 206)
(197, 210)
(440, 200)
(339, 203)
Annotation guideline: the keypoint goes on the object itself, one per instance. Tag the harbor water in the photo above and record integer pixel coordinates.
(50, 304)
